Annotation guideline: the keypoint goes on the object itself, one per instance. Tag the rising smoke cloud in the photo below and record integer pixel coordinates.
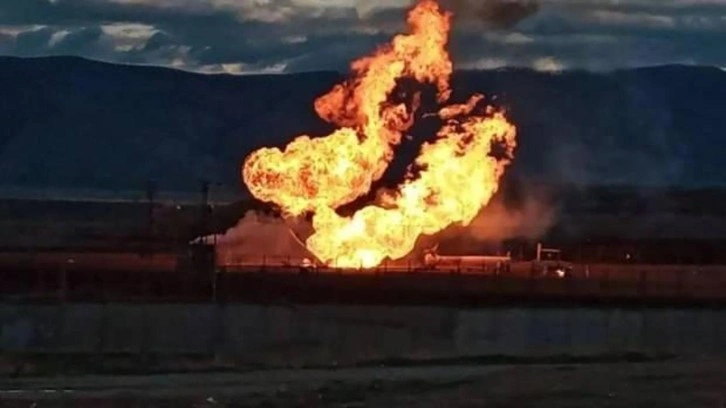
(493, 14)
(530, 218)
(259, 238)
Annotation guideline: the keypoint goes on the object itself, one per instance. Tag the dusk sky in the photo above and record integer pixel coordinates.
(248, 36)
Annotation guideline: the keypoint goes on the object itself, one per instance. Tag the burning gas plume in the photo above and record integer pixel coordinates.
(454, 176)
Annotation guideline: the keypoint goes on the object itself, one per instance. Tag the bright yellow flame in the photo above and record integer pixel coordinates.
(458, 177)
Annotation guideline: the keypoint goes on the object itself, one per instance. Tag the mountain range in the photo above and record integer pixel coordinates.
(72, 123)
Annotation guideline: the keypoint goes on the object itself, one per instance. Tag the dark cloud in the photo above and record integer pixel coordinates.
(33, 42)
(86, 12)
(337, 51)
(652, 7)
(48, 41)
(158, 41)
(493, 13)
(7, 43)
(198, 34)
(78, 40)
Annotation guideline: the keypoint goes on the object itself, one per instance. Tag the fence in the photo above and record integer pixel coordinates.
(291, 280)
(339, 335)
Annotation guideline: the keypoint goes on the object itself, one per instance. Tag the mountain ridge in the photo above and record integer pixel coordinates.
(69, 122)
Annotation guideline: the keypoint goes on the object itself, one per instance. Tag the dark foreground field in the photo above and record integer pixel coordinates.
(677, 384)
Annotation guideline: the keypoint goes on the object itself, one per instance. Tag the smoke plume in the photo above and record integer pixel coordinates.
(497, 14)
(525, 211)
(259, 238)
(531, 218)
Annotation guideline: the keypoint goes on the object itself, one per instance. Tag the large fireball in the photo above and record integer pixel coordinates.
(458, 176)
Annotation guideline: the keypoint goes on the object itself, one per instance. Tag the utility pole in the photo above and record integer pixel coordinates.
(204, 209)
(207, 252)
(150, 220)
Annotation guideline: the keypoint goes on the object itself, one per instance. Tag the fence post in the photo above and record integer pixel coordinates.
(643, 283)
(39, 283)
(531, 283)
(214, 285)
(101, 346)
(62, 284)
(688, 283)
(218, 335)
(569, 283)
(144, 344)
(679, 283)
(61, 322)
(60, 334)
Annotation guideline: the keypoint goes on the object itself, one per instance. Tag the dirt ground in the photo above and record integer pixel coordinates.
(677, 384)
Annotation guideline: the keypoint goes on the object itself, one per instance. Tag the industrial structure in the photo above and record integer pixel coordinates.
(159, 263)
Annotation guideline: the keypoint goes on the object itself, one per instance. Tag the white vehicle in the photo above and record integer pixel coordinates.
(549, 263)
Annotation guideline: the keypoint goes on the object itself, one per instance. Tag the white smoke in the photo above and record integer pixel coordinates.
(531, 220)
(259, 238)
(530, 217)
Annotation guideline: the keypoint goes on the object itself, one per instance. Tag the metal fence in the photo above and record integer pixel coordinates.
(291, 279)
(332, 335)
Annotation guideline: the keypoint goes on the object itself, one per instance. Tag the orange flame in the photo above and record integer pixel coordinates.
(459, 174)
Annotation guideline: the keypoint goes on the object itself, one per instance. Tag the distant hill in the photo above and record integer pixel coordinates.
(79, 124)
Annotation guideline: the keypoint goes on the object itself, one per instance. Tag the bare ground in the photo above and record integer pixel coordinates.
(677, 384)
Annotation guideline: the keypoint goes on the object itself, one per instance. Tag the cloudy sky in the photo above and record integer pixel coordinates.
(246, 36)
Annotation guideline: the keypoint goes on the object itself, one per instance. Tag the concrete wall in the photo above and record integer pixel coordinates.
(279, 335)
